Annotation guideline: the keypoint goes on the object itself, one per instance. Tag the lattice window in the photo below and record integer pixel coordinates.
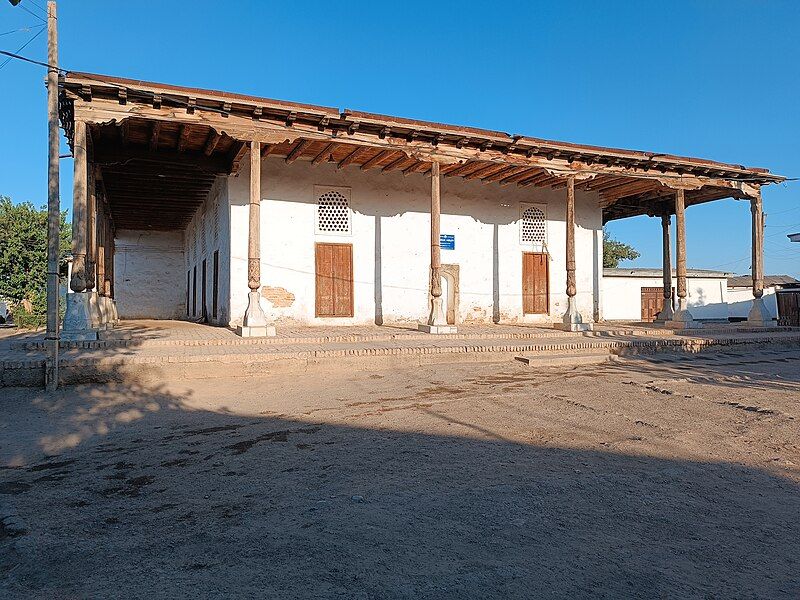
(333, 211)
(532, 225)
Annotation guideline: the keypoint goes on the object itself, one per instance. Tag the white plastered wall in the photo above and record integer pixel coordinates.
(391, 244)
(740, 301)
(622, 296)
(207, 232)
(148, 274)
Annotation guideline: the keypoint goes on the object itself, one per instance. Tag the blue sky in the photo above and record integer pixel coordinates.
(718, 79)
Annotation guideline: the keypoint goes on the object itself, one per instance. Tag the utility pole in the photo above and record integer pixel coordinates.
(53, 202)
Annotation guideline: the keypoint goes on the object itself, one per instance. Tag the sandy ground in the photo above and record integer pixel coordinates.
(644, 478)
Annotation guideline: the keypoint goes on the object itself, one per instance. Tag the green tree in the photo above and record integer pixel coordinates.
(23, 259)
(615, 251)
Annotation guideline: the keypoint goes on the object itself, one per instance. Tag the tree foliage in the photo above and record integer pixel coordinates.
(23, 259)
(615, 251)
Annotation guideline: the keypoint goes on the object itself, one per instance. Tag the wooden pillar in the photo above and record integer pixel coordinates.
(667, 312)
(254, 231)
(79, 190)
(571, 285)
(757, 267)
(79, 323)
(254, 323)
(91, 231)
(101, 250)
(682, 319)
(437, 323)
(680, 247)
(758, 315)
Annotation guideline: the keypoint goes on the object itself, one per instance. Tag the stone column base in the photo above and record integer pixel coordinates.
(758, 315)
(683, 319)
(573, 326)
(572, 321)
(78, 319)
(666, 314)
(438, 329)
(256, 331)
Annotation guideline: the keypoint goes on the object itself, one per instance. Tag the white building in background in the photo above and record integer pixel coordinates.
(637, 294)
(740, 294)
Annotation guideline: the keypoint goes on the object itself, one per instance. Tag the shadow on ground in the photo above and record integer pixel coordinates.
(148, 497)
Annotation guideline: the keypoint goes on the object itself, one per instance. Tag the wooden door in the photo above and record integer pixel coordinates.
(215, 285)
(203, 309)
(535, 284)
(334, 270)
(789, 308)
(652, 302)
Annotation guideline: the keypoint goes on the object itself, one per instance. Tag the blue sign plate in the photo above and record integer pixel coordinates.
(447, 242)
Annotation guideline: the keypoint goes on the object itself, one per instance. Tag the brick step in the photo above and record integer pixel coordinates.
(105, 344)
(163, 364)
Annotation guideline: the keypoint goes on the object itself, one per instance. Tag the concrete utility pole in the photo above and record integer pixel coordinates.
(53, 204)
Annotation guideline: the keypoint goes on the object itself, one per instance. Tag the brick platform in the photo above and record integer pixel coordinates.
(168, 350)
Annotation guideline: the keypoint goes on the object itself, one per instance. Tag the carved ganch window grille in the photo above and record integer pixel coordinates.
(533, 225)
(333, 211)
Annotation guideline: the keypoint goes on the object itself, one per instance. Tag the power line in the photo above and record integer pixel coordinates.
(20, 30)
(8, 60)
(30, 12)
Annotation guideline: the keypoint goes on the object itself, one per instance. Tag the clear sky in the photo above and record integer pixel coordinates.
(717, 79)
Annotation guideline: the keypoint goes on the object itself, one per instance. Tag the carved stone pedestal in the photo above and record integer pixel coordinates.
(759, 315)
(437, 323)
(572, 320)
(78, 319)
(255, 323)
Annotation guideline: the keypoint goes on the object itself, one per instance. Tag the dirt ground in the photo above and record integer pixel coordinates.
(654, 478)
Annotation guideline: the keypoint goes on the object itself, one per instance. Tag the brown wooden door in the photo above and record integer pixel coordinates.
(789, 308)
(334, 269)
(535, 284)
(652, 302)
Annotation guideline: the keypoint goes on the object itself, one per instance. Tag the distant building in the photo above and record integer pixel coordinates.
(637, 294)
(740, 294)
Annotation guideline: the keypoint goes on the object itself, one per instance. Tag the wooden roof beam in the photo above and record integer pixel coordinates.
(465, 169)
(325, 155)
(211, 142)
(298, 150)
(376, 159)
(417, 167)
(350, 158)
(489, 169)
(507, 170)
(396, 163)
(524, 174)
(183, 137)
(154, 133)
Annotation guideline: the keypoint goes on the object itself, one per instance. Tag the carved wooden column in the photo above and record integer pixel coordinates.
(758, 315)
(91, 248)
(77, 318)
(667, 312)
(682, 318)
(437, 323)
(572, 320)
(254, 323)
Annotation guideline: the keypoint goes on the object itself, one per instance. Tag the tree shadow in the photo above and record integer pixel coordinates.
(149, 494)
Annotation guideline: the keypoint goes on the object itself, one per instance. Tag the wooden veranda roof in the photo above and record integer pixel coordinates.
(159, 148)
